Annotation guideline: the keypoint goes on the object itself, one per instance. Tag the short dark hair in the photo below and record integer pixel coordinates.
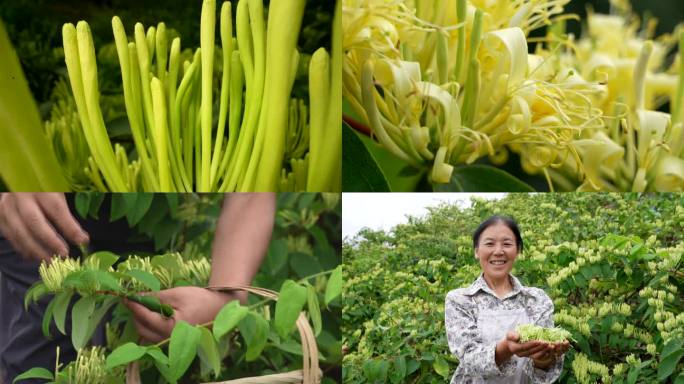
(496, 219)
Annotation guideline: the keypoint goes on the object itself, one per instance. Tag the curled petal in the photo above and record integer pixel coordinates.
(515, 48)
(441, 171)
(670, 175)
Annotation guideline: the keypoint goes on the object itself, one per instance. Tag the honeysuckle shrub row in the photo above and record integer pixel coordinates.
(220, 117)
(444, 84)
(612, 264)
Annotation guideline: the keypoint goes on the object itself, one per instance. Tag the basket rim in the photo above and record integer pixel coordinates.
(310, 372)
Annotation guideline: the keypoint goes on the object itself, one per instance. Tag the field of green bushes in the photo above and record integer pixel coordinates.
(612, 263)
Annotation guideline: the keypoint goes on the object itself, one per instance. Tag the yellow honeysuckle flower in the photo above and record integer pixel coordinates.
(449, 82)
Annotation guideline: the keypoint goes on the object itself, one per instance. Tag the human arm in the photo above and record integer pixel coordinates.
(39, 225)
(476, 358)
(243, 232)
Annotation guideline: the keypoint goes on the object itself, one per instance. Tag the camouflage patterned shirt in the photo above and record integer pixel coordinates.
(463, 310)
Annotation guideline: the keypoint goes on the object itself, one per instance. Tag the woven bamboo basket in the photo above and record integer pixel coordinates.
(310, 372)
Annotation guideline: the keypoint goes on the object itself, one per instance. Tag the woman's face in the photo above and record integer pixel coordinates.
(497, 250)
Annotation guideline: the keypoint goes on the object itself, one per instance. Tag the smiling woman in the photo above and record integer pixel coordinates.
(480, 319)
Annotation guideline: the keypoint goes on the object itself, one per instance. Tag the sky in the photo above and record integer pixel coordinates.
(385, 210)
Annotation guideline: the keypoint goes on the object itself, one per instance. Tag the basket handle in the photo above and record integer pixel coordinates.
(310, 366)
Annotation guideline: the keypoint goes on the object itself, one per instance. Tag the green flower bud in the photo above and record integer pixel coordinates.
(530, 332)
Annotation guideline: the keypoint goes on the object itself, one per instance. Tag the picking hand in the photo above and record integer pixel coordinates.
(192, 304)
(39, 225)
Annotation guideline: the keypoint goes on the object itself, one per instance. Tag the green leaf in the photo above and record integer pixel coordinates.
(98, 314)
(95, 203)
(376, 371)
(314, 308)
(633, 375)
(120, 205)
(304, 264)
(158, 355)
(412, 366)
(35, 292)
(47, 318)
(82, 202)
(35, 373)
(668, 364)
(102, 260)
(208, 351)
(159, 210)
(290, 302)
(228, 317)
(80, 318)
(124, 354)
(326, 254)
(482, 178)
(172, 199)
(671, 347)
(146, 278)
(182, 348)
(166, 372)
(680, 379)
(276, 258)
(163, 233)
(291, 346)
(105, 280)
(305, 200)
(334, 287)
(142, 204)
(254, 329)
(78, 280)
(399, 370)
(360, 170)
(441, 367)
(61, 300)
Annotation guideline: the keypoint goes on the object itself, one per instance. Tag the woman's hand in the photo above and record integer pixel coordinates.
(544, 360)
(509, 346)
(192, 304)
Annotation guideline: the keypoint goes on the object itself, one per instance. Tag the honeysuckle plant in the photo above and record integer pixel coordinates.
(611, 263)
(640, 146)
(442, 85)
(99, 283)
(245, 133)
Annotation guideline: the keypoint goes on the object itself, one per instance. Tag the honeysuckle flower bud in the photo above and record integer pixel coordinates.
(53, 274)
(530, 332)
(632, 360)
(89, 366)
(618, 369)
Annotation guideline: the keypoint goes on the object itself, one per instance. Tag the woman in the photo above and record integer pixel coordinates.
(480, 319)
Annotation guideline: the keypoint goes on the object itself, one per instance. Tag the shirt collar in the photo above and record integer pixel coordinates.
(481, 284)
